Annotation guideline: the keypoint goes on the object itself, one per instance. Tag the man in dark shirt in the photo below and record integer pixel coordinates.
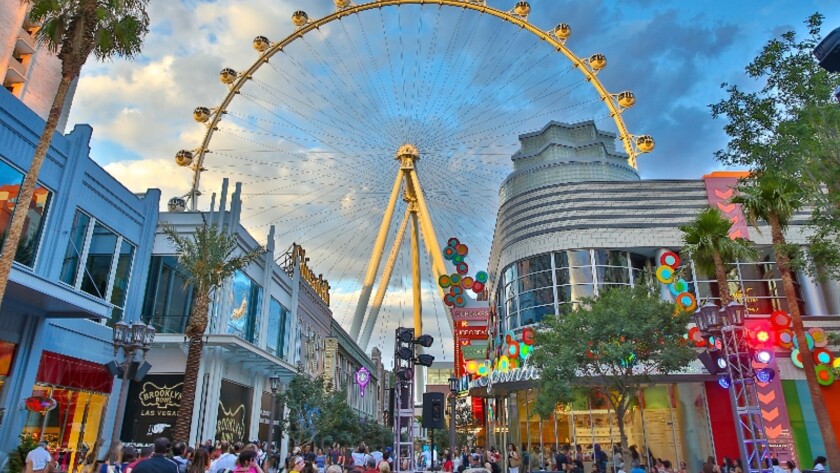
(562, 459)
(158, 463)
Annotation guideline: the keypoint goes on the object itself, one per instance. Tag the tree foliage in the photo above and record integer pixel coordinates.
(615, 344)
(790, 124)
(706, 241)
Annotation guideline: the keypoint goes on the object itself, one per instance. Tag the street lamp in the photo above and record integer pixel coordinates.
(134, 340)
(274, 381)
(453, 391)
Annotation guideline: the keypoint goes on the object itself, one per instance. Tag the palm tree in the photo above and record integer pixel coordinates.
(706, 240)
(73, 30)
(774, 199)
(208, 260)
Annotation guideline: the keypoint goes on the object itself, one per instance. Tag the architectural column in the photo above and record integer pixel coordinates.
(831, 296)
(812, 294)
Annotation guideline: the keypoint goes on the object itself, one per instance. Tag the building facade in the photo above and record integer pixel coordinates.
(29, 71)
(81, 266)
(574, 219)
(362, 377)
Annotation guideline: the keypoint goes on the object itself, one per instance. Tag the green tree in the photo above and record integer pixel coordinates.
(774, 198)
(790, 124)
(338, 421)
(74, 30)
(209, 256)
(17, 457)
(706, 240)
(616, 344)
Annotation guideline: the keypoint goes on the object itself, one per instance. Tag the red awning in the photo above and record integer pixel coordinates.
(68, 372)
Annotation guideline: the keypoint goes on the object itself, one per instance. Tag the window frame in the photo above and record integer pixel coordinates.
(44, 219)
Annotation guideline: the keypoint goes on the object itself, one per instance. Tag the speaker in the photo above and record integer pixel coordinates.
(433, 410)
(113, 368)
(141, 371)
(828, 51)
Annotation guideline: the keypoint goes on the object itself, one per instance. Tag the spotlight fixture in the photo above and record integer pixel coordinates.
(724, 382)
(405, 353)
(425, 341)
(406, 335)
(765, 375)
(763, 356)
(406, 374)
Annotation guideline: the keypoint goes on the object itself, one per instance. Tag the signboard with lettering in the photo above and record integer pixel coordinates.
(152, 408)
(470, 335)
(234, 414)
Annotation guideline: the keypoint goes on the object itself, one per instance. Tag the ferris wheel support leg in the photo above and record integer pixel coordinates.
(415, 274)
(429, 235)
(375, 259)
(383, 284)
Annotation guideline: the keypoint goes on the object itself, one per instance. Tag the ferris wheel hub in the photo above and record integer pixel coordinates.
(409, 151)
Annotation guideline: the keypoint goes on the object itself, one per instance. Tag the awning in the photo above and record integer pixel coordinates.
(236, 350)
(40, 296)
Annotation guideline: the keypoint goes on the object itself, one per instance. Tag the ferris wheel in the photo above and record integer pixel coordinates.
(312, 123)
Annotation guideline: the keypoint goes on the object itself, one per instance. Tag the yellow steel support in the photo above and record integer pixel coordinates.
(375, 259)
(415, 275)
(383, 283)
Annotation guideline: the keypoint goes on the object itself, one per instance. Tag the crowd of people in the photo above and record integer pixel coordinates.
(260, 457)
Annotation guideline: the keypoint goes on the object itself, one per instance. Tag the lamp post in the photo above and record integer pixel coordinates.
(134, 340)
(275, 388)
(453, 391)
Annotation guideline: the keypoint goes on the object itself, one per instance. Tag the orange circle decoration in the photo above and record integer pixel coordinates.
(665, 274)
(819, 337)
(796, 358)
(444, 281)
(467, 282)
(780, 319)
(528, 336)
(824, 375)
(510, 337)
(823, 357)
(669, 258)
(462, 249)
(687, 302)
(472, 367)
(784, 338)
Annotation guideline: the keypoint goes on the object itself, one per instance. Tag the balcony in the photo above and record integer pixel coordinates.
(25, 43)
(16, 73)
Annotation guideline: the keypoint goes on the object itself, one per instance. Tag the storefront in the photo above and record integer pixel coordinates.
(76, 392)
(152, 408)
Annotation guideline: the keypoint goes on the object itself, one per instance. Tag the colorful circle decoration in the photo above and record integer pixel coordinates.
(524, 350)
(687, 302)
(453, 242)
(457, 258)
(824, 375)
(467, 282)
(482, 369)
(677, 287)
(456, 290)
(462, 268)
(665, 274)
(836, 364)
(444, 281)
(796, 358)
(478, 287)
(459, 281)
(780, 319)
(504, 363)
(510, 337)
(448, 253)
(669, 258)
(528, 336)
(808, 338)
(472, 367)
(455, 279)
(513, 350)
(695, 336)
(460, 301)
(819, 337)
(481, 277)
(823, 357)
(462, 249)
(449, 300)
(784, 338)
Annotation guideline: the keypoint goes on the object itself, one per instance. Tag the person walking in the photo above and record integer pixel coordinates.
(247, 462)
(200, 461)
(158, 463)
(513, 458)
(39, 460)
(320, 461)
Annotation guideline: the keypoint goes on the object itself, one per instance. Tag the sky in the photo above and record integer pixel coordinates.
(313, 134)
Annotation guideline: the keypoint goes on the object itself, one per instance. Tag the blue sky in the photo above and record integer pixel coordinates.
(313, 135)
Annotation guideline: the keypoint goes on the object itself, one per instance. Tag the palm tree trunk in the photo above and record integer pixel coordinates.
(195, 332)
(720, 276)
(27, 190)
(832, 448)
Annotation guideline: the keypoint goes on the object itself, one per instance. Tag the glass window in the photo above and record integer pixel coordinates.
(534, 265)
(168, 299)
(75, 245)
(120, 288)
(578, 258)
(535, 281)
(582, 275)
(613, 274)
(536, 298)
(536, 314)
(247, 298)
(276, 332)
(97, 271)
(10, 182)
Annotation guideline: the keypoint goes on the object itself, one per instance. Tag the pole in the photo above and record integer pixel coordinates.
(271, 436)
(452, 424)
(432, 456)
(415, 275)
(120, 412)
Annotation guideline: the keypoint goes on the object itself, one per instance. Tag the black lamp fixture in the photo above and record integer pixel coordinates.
(453, 384)
(274, 381)
(425, 360)
(425, 341)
